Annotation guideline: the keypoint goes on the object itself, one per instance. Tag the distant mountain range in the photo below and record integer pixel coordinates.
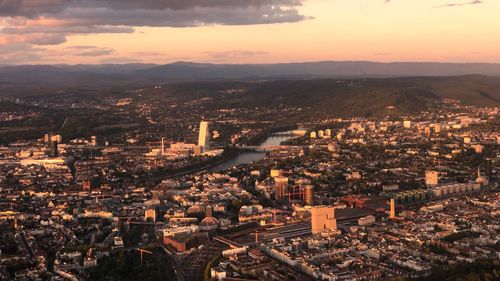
(126, 74)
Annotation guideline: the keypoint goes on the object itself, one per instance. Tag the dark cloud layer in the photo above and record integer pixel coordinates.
(44, 7)
(185, 12)
(49, 22)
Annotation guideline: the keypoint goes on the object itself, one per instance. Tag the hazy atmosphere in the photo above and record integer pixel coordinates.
(250, 140)
(247, 31)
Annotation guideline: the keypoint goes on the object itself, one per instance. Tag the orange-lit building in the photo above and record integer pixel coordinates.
(323, 219)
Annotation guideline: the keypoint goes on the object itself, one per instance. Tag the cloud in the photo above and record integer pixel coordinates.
(119, 60)
(20, 53)
(459, 4)
(23, 52)
(171, 13)
(64, 29)
(234, 54)
(90, 51)
(148, 54)
(43, 39)
(49, 22)
(33, 8)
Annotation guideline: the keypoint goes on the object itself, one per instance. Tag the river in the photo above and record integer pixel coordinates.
(249, 157)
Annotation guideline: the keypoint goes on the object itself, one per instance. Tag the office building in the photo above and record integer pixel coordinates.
(392, 214)
(437, 128)
(454, 188)
(410, 196)
(488, 169)
(51, 137)
(204, 136)
(53, 149)
(52, 144)
(323, 219)
(431, 178)
(427, 131)
(281, 187)
(162, 147)
(309, 195)
(150, 214)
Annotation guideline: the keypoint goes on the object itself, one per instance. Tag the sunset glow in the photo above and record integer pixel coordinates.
(399, 30)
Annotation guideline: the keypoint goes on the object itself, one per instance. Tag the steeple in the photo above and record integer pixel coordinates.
(481, 179)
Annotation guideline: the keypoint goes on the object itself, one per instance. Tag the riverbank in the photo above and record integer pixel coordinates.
(158, 176)
(231, 157)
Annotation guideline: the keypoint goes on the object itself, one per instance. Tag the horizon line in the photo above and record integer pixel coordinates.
(236, 63)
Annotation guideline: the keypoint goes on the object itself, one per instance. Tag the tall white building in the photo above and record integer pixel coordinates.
(204, 136)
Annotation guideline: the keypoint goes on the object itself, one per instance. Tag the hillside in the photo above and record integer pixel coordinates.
(344, 97)
(83, 111)
(143, 74)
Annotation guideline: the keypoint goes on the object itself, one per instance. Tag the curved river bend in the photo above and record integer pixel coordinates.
(249, 157)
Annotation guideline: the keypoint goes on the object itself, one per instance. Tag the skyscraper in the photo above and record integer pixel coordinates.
(392, 214)
(162, 147)
(204, 136)
(52, 144)
(488, 166)
(281, 187)
(309, 195)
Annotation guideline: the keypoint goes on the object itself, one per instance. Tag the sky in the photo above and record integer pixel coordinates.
(247, 31)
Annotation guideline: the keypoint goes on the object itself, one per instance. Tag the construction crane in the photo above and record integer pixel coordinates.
(142, 251)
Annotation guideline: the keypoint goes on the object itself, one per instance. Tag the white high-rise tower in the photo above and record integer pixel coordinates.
(204, 136)
(162, 147)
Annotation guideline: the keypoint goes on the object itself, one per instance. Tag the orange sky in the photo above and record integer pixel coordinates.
(402, 30)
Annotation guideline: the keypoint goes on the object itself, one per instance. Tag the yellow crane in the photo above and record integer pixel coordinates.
(142, 251)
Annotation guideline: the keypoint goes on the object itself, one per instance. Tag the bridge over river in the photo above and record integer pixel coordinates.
(267, 148)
